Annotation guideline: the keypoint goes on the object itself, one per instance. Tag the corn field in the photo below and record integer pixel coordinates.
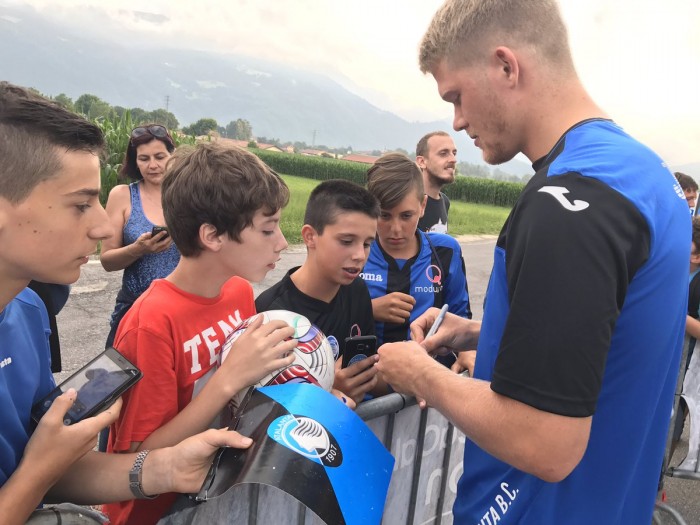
(467, 189)
(318, 168)
(484, 191)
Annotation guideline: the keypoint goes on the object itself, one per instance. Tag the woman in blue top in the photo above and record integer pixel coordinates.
(408, 271)
(134, 210)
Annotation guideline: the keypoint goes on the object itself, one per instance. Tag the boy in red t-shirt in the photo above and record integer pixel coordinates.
(222, 206)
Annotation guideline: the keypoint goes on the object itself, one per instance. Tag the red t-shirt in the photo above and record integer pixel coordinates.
(174, 338)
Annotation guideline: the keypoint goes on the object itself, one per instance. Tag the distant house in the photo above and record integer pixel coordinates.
(244, 144)
(313, 152)
(233, 142)
(364, 159)
(269, 147)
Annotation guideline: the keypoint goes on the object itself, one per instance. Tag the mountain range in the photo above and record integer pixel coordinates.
(278, 100)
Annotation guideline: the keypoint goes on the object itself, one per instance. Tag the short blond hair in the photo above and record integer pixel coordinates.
(461, 29)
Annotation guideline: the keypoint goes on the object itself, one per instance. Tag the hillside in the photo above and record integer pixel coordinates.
(279, 101)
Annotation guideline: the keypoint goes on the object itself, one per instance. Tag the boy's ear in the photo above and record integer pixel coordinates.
(309, 235)
(209, 238)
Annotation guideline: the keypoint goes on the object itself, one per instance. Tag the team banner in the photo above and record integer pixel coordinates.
(310, 445)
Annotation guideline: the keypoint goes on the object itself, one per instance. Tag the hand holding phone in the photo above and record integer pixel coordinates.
(98, 385)
(157, 229)
(358, 348)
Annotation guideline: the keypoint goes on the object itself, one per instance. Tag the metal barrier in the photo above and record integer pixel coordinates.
(428, 452)
(688, 469)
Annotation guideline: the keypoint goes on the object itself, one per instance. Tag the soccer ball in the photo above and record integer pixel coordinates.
(314, 357)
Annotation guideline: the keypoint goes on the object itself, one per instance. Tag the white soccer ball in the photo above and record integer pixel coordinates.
(314, 360)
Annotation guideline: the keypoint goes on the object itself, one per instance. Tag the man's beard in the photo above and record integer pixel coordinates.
(437, 180)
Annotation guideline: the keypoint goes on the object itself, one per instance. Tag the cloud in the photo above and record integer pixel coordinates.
(638, 58)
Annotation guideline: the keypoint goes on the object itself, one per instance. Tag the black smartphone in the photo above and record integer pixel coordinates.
(358, 348)
(98, 384)
(157, 229)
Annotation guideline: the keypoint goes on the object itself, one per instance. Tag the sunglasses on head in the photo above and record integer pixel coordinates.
(156, 130)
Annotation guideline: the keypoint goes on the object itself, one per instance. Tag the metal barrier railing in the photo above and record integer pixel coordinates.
(662, 509)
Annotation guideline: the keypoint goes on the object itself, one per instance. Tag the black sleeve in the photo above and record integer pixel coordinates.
(568, 268)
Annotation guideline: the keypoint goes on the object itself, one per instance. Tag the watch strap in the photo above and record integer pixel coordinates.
(136, 475)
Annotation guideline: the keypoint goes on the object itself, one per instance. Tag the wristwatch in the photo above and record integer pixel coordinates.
(135, 476)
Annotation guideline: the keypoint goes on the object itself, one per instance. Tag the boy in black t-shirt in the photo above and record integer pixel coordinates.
(340, 224)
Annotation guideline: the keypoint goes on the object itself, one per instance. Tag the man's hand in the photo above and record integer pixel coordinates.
(395, 307)
(465, 361)
(357, 379)
(403, 365)
(455, 333)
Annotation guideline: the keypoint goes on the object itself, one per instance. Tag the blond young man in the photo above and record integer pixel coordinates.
(222, 206)
(50, 222)
(579, 349)
(436, 156)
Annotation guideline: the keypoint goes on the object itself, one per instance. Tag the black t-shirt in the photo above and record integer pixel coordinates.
(435, 217)
(348, 314)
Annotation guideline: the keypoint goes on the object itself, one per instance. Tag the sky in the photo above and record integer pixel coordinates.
(639, 59)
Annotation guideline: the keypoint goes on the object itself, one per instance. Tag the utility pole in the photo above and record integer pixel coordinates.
(313, 139)
(167, 102)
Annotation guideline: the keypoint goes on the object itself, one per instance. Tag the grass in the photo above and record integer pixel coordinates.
(469, 218)
(465, 218)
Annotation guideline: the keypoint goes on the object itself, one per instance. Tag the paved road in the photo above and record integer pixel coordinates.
(83, 327)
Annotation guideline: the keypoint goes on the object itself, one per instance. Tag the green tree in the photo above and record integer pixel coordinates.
(93, 106)
(119, 111)
(473, 170)
(164, 117)
(202, 127)
(239, 129)
(138, 115)
(64, 101)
